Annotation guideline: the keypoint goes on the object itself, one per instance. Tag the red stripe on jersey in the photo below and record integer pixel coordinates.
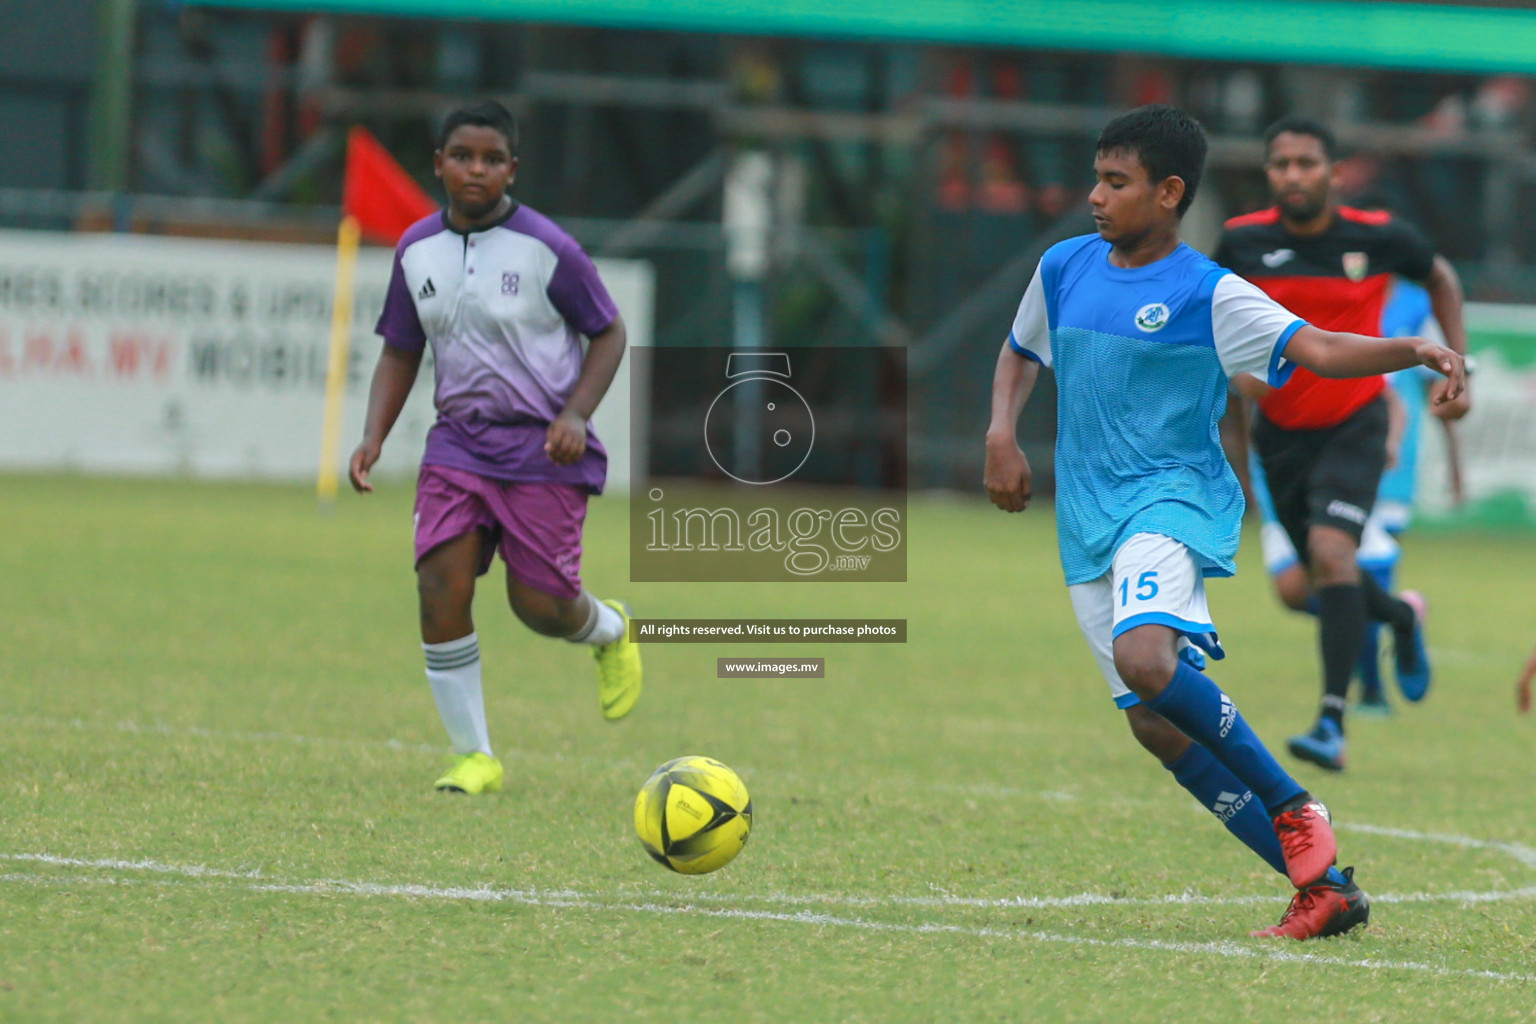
(1332, 303)
(1376, 217)
(1310, 402)
(1269, 216)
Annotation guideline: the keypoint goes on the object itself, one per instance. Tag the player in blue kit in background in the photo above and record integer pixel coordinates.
(1406, 313)
(1144, 334)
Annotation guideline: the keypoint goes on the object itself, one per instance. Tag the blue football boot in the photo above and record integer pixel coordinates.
(1412, 657)
(1323, 746)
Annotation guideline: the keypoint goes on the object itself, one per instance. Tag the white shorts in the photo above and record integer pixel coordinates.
(1378, 548)
(1395, 516)
(1154, 580)
(1279, 552)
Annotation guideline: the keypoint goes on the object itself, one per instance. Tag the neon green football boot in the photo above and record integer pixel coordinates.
(472, 773)
(618, 670)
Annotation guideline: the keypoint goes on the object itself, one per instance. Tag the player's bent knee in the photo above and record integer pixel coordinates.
(1293, 589)
(443, 591)
(546, 614)
(1332, 557)
(1160, 737)
(1145, 661)
(540, 619)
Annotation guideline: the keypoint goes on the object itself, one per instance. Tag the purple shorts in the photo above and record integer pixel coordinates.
(537, 525)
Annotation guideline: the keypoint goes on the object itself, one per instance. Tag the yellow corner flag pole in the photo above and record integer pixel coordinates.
(347, 238)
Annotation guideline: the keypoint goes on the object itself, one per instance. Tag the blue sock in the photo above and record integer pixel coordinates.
(1206, 715)
(1219, 792)
(1370, 653)
(1368, 668)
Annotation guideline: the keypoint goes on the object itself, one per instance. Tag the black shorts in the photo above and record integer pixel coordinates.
(1325, 477)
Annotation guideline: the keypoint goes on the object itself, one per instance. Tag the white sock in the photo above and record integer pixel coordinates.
(453, 669)
(604, 625)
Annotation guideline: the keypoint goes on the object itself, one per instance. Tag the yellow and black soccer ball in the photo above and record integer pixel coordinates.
(693, 815)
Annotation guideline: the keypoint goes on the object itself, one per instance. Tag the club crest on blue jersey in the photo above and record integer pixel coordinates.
(1153, 317)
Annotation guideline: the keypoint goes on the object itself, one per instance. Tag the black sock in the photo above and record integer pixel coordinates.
(1383, 607)
(1341, 630)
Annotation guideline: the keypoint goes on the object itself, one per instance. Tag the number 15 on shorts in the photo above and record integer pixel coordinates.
(1146, 588)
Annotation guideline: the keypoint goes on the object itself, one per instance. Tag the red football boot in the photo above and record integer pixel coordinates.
(1306, 840)
(1324, 909)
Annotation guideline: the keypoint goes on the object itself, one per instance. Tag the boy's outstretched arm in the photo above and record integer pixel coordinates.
(1007, 474)
(1337, 354)
(392, 380)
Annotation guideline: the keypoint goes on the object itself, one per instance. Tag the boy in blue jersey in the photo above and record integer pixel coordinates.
(1409, 311)
(1144, 334)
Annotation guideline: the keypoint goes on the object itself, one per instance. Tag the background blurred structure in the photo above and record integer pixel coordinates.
(914, 157)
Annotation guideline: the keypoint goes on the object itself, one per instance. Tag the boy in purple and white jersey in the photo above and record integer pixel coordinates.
(504, 297)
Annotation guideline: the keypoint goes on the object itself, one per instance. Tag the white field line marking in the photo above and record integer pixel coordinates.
(939, 901)
(185, 870)
(1231, 950)
(1086, 899)
(1524, 854)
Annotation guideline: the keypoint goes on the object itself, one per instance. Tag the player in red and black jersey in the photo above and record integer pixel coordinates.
(1323, 443)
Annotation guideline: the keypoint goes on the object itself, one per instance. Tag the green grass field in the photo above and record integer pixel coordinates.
(218, 747)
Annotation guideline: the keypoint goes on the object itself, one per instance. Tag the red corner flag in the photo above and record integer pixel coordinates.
(377, 191)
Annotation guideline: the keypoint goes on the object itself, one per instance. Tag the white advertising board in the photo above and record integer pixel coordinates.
(1497, 440)
(150, 355)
